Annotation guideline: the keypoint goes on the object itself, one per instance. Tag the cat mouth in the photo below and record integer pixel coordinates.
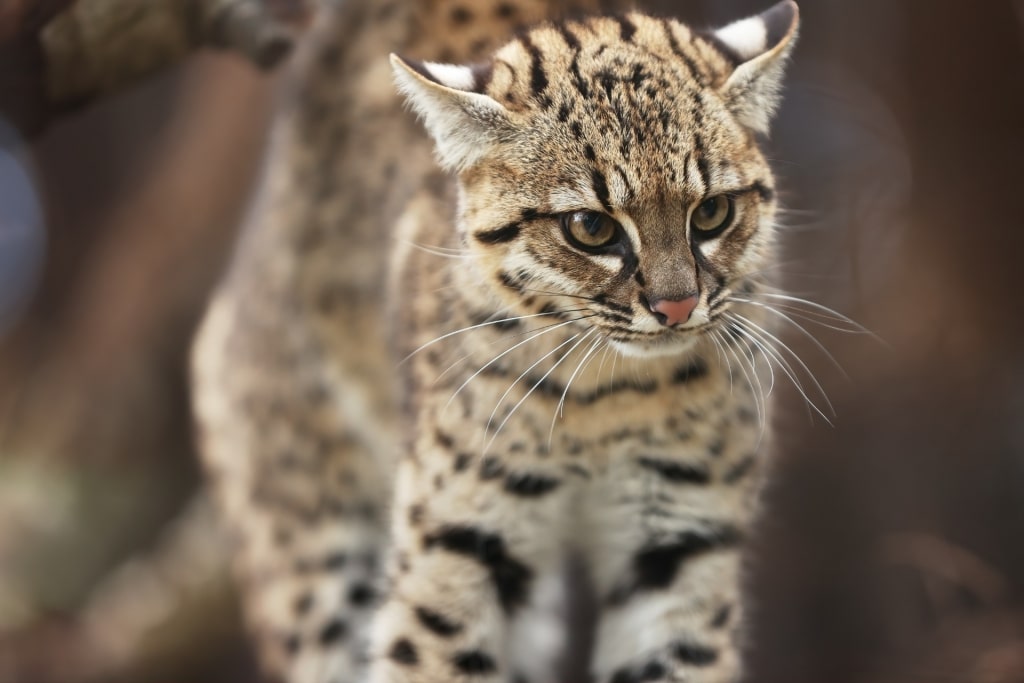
(665, 344)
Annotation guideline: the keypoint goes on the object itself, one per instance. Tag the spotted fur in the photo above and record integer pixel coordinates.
(413, 525)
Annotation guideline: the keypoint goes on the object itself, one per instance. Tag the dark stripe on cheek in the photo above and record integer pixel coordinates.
(500, 235)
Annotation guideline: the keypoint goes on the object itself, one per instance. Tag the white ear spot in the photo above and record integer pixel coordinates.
(746, 37)
(452, 75)
(762, 44)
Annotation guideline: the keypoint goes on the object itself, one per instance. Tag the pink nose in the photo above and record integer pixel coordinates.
(672, 312)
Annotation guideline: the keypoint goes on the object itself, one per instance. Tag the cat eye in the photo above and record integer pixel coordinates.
(590, 230)
(712, 216)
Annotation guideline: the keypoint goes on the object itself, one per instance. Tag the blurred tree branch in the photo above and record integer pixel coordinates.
(56, 55)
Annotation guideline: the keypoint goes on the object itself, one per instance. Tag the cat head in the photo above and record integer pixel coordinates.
(611, 163)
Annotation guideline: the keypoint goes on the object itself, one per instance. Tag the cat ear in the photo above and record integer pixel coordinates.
(761, 46)
(463, 121)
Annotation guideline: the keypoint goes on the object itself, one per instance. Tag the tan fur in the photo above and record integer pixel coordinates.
(569, 421)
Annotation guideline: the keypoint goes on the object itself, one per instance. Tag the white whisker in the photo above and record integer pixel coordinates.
(561, 401)
(497, 404)
(779, 345)
(484, 324)
(537, 384)
(806, 333)
(735, 354)
(543, 331)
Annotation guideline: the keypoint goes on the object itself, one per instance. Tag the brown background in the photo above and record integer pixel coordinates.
(893, 545)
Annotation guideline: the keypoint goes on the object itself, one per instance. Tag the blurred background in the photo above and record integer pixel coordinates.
(892, 547)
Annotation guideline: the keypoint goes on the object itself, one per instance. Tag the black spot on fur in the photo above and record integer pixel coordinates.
(740, 470)
(491, 469)
(461, 15)
(415, 514)
(335, 561)
(652, 671)
(462, 462)
(292, 644)
(404, 652)
(694, 654)
(721, 618)
(689, 372)
(303, 604)
(506, 10)
(588, 152)
(530, 485)
(474, 662)
(511, 577)
(655, 567)
(510, 282)
(676, 472)
(444, 440)
(333, 631)
(361, 595)
(437, 623)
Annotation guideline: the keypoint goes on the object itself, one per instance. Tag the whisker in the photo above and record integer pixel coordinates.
(559, 409)
(716, 335)
(760, 409)
(506, 337)
(815, 305)
(444, 252)
(813, 316)
(757, 330)
(806, 333)
(752, 363)
(525, 372)
(545, 330)
(537, 384)
(483, 324)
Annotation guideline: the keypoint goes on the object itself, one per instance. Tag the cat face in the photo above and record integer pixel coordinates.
(610, 165)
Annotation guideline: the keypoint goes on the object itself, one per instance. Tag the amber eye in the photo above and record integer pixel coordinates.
(590, 230)
(712, 216)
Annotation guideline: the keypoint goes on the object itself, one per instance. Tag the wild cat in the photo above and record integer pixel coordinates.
(571, 304)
